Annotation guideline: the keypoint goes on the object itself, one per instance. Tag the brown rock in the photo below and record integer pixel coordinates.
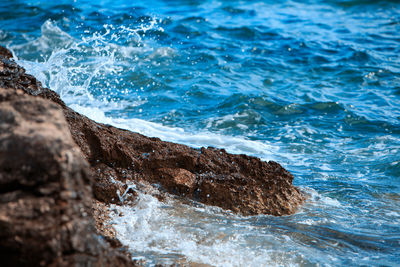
(45, 190)
(182, 181)
(4, 52)
(102, 220)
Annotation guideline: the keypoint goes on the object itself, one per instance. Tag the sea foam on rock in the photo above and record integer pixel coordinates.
(50, 155)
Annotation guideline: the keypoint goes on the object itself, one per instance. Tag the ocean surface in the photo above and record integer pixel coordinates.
(313, 85)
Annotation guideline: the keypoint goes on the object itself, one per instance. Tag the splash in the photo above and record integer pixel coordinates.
(173, 232)
(89, 70)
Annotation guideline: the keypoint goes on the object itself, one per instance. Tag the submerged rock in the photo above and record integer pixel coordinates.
(243, 184)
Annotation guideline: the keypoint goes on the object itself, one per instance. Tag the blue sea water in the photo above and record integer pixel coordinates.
(313, 84)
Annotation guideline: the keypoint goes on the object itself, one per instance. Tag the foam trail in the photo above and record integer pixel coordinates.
(178, 135)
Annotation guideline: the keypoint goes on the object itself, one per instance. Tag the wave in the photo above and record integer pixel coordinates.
(193, 235)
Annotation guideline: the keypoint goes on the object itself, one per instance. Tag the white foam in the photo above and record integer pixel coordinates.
(321, 199)
(325, 167)
(157, 229)
(233, 144)
(174, 134)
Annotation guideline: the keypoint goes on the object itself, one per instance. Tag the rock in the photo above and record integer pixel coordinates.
(102, 220)
(183, 181)
(4, 52)
(45, 188)
(212, 176)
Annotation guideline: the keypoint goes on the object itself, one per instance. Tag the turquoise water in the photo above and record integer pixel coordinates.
(314, 85)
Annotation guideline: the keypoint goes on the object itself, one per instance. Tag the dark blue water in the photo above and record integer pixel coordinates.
(314, 85)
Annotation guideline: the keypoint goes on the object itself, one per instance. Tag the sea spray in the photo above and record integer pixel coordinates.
(313, 85)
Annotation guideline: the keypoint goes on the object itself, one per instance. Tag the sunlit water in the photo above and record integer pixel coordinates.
(314, 85)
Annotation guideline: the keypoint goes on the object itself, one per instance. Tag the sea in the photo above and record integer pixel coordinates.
(313, 85)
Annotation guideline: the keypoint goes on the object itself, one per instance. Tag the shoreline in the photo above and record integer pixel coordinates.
(87, 162)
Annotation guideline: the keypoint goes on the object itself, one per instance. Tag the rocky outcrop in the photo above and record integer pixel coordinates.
(53, 161)
(212, 176)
